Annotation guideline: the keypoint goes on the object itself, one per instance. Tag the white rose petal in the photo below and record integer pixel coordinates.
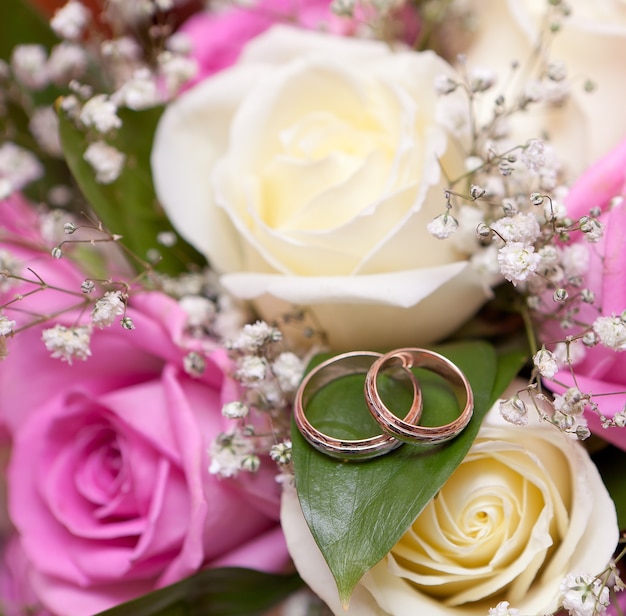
(323, 161)
(590, 43)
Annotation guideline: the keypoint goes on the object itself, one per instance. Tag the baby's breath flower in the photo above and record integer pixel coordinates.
(70, 20)
(442, 226)
(167, 238)
(124, 49)
(514, 411)
(252, 369)
(288, 369)
(235, 410)
(611, 331)
(106, 161)
(108, 307)
(476, 192)
(127, 323)
(503, 609)
(251, 463)
(533, 156)
(572, 402)
(67, 61)
(592, 228)
(194, 364)
(6, 325)
(445, 85)
(101, 113)
(255, 336)
(546, 363)
(481, 79)
(87, 286)
(29, 66)
(44, 127)
(584, 595)
(521, 227)
(19, 166)
(200, 312)
(281, 453)
(517, 261)
(67, 343)
(176, 69)
(139, 92)
(227, 453)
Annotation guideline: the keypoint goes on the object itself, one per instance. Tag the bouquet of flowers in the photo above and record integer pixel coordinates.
(312, 307)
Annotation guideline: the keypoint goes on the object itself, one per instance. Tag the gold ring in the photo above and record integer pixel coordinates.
(358, 362)
(408, 432)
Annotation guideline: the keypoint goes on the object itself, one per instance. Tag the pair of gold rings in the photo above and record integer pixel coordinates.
(395, 430)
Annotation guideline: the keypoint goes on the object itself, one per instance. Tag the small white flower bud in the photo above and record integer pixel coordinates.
(546, 363)
(560, 295)
(194, 364)
(514, 411)
(235, 410)
(587, 296)
(251, 463)
(56, 252)
(442, 226)
(281, 453)
(476, 192)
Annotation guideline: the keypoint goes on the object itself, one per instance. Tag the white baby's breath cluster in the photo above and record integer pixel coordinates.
(507, 214)
(140, 78)
(268, 376)
(581, 594)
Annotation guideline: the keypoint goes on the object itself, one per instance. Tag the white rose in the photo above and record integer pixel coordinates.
(307, 174)
(591, 43)
(526, 507)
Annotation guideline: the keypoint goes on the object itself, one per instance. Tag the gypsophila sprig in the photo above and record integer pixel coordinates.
(503, 609)
(584, 595)
(68, 343)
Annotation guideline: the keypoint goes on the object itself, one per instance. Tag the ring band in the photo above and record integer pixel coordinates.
(407, 432)
(331, 370)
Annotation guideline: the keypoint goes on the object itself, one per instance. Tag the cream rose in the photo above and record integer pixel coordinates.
(591, 43)
(307, 173)
(526, 507)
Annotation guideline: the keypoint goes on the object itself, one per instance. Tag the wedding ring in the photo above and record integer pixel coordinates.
(408, 432)
(331, 370)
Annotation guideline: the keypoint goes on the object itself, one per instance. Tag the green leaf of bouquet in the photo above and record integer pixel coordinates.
(20, 23)
(357, 511)
(128, 206)
(228, 591)
(611, 462)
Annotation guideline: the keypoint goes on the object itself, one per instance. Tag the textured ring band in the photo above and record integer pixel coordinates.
(331, 370)
(402, 430)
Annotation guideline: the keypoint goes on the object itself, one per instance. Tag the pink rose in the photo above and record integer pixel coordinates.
(16, 595)
(602, 370)
(218, 38)
(108, 483)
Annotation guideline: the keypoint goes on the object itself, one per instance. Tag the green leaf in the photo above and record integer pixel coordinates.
(357, 511)
(129, 206)
(611, 462)
(214, 592)
(21, 23)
